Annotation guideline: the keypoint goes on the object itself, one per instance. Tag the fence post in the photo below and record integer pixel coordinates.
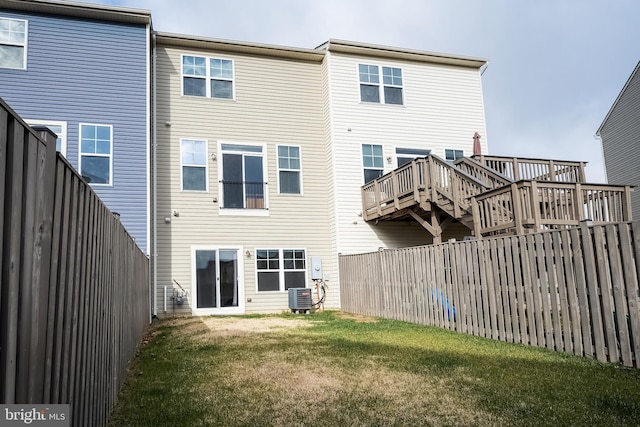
(517, 209)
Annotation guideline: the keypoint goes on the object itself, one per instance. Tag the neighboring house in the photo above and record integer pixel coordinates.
(262, 151)
(620, 136)
(83, 70)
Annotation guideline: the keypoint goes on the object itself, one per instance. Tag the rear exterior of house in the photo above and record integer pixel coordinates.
(83, 71)
(388, 106)
(242, 201)
(620, 136)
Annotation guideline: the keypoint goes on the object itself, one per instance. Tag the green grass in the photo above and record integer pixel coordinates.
(339, 372)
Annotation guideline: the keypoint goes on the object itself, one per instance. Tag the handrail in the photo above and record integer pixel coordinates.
(483, 173)
(517, 168)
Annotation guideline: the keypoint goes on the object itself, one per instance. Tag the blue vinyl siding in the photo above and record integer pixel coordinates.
(84, 71)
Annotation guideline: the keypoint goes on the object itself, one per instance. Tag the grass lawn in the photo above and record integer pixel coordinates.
(331, 369)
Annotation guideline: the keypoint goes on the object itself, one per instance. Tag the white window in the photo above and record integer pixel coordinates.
(96, 148)
(281, 269)
(389, 92)
(59, 128)
(207, 77)
(243, 184)
(289, 170)
(406, 155)
(453, 155)
(372, 162)
(194, 164)
(13, 43)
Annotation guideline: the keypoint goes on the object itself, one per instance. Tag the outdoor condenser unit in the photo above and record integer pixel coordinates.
(299, 299)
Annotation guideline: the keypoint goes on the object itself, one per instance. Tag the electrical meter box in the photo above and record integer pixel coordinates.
(316, 268)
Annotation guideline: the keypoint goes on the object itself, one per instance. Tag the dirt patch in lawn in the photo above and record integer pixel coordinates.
(357, 317)
(236, 326)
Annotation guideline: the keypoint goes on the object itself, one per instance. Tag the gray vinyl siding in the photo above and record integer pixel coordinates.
(277, 101)
(86, 71)
(620, 135)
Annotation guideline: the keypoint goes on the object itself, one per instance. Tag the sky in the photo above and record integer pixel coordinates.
(555, 66)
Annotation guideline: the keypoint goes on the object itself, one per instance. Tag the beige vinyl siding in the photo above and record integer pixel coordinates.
(277, 101)
(442, 109)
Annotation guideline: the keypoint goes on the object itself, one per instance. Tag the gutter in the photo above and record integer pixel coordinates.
(154, 226)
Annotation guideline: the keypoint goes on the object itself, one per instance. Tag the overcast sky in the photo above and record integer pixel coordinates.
(555, 66)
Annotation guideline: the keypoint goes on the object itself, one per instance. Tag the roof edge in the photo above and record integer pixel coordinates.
(81, 10)
(615, 103)
(351, 47)
(183, 40)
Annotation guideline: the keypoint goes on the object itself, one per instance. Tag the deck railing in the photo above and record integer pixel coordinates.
(428, 179)
(518, 169)
(529, 206)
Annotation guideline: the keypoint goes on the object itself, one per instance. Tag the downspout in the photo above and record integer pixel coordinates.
(154, 168)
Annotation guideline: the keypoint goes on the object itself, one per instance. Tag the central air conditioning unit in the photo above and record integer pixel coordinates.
(299, 299)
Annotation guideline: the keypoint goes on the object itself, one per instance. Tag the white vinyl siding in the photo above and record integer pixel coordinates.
(13, 43)
(443, 108)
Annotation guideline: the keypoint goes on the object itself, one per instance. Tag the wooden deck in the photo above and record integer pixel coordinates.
(547, 194)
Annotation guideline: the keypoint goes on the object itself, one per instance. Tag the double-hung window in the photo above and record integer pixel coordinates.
(243, 177)
(194, 164)
(13, 43)
(207, 77)
(389, 91)
(289, 170)
(372, 161)
(281, 269)
(59, 128)
(453, 155)
(96, 148)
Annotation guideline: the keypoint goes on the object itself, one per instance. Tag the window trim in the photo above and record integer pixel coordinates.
(301, 193)
(381, 85)
(265, 174)
(367, 167)
(281, 269)
(47, 123)
(24, 45)
(208, 78)
(206, 166)
(111, 177)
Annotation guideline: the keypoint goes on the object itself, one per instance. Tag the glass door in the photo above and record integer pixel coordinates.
(217, 281)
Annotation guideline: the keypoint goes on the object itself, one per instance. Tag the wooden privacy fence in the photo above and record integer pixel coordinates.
(74, 296)
(568, 290)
